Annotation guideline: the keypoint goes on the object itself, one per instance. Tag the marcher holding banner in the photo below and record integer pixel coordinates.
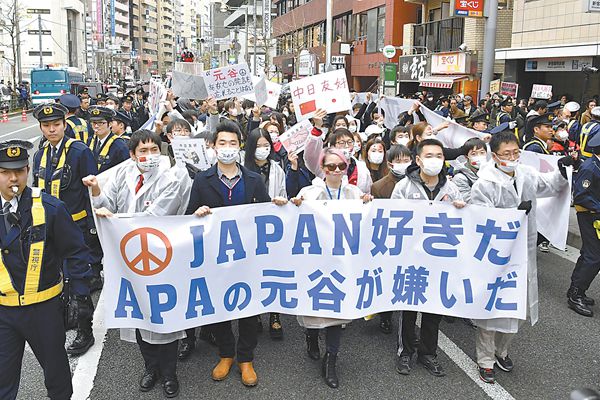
(507, 184)
(226, 184)
(141, 188)
(427, 180)
(333, 164)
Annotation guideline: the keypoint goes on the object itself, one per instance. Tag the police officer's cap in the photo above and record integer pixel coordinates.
(506, 101)
(13, 153)
(501, 128)
(462, 120)
(113, 98)
(443, 98)
(69, 100)
(596, 112)
(50, 112)
(554, 106)
(544, 119)
(140, 91)
(99, 113)
(119, 116)
(128, 98)
(572, 106)
(101, 97)
(479, 116)
(84, 90)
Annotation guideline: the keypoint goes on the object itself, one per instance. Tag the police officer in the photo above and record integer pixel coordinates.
(588, 131)
(554, 108)
(113, 102)
(120, 125)
(77, 128)
(542, 133)
(479, 121)
(108, 148)
(101, 99)
(586, 197)
(506, 109)
(34, 229)
(58, 169)
(130, 112)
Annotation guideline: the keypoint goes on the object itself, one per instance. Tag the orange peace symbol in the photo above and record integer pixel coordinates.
(145, 255)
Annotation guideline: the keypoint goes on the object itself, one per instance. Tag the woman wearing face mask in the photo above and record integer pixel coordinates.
(357, 172)
(423, 130)
(358, 144)
(561, 145)
(466, 175)
(279, 152)
(258, 158)
(332, 187)
(374, 156)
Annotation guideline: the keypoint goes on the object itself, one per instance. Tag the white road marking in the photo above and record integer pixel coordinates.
(87, 365)
(18, 130)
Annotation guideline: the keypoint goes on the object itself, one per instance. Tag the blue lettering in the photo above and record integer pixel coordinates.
(125, 301)
(229, 229)
(198, 236)
(198, 286)
(306, 223)
(341, 230)
(156, 307)
(262, 237)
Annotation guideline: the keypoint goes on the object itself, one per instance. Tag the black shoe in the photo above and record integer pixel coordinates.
(505, 364)
(403, 364)
(328, 370)
(259, 326)
(82, 343)
(431, 364)
(148, 380)
(207, 335)
(385, 325)
(95, 281)
(588, 301)
(186, 349)
(171, 387)
(487, 375)
(576, 302)
(275, 328)
(312, 346)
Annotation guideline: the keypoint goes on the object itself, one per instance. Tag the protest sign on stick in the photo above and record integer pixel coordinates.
(328, 91)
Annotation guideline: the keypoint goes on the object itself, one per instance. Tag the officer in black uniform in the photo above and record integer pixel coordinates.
(506, 109)
(77, 128)
(101, 99)
(542, 133)
(120, 126)
(34, 229)
(587, 132)
(131, 113)
(586, 197)
(58, 169)
(108, 148)
(479, 121)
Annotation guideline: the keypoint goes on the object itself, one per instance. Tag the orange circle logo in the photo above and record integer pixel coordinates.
(142, 263)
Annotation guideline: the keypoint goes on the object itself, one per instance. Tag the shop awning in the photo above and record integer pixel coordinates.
(442, 82)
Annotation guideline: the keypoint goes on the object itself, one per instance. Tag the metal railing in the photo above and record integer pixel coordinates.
(442, 35)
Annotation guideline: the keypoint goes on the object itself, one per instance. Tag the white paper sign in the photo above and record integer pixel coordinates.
(541, 91)
(294, 139)
(328, 91)
(190, 151)
(271, 90)
(230, 81)
(157, 93)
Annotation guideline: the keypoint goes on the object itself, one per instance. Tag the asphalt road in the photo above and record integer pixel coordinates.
(557, 355)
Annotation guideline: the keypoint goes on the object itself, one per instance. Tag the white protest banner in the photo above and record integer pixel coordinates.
(190, 151)
(541, 91)
(328, 91)
(273, 90)
(166, 274)
(189, 67)
(361, 97)
(231, 81)
(294, 139)
(157, 93)
(188, 86)
(552, 214)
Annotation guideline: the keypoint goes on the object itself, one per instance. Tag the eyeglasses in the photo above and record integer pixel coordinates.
(346, 143)
(510, 155)
(332, 167)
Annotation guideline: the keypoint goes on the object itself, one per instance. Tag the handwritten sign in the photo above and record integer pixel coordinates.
(190, 151)
(328, 91)
(541, 91)
(226, 82)
(294, 138)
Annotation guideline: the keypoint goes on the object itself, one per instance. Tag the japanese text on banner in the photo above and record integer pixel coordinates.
(328, 91)
(166, 274)
(226, 82)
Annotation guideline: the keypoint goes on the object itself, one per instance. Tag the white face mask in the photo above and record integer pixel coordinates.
(211, 156)
(563, 135)
(324, 130)
(375, 157)
(432, 166)
(566, 120)
(352, 128)
(262, 153)
(347, 154)
(357, 147)
(286, 113)
(148, 163)
(400, 168)
(402, 140)
(233, 112)
(228, 155)
(508, 166)
(111, 107)
(477, 161)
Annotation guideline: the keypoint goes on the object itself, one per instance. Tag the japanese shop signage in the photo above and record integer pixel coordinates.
(414, 68)
(468, 8)
(451, 63)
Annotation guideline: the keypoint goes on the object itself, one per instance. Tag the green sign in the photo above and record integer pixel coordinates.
(390, 74)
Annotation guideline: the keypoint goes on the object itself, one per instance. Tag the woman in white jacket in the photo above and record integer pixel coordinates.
(258, 157)
(333, 166)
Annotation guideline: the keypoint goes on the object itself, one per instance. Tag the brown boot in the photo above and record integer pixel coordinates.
(221, 371)
(249, 377)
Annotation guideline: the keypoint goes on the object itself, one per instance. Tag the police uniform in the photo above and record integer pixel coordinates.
(503, 116)
(120, 116)
(132, 115)
(536, 144)
(112, 150)
(32, 237)
(100, 98)
(586, 197)
(77, 128)
(585, 135)
(479, 116)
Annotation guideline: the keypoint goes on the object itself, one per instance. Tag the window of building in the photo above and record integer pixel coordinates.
(375, 29)
(360, 26)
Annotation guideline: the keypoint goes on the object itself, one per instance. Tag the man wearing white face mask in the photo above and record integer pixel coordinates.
(426, 180)
(506, 183)
(466, 175)
(141, 187)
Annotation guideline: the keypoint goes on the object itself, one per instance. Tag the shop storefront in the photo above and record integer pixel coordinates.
(452, 72)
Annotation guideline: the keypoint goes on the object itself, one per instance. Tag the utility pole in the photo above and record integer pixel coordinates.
(255, 40)
(329, 34)
(489, 47)
(40, 38)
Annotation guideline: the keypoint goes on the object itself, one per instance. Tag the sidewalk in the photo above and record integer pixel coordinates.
(574, 237)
